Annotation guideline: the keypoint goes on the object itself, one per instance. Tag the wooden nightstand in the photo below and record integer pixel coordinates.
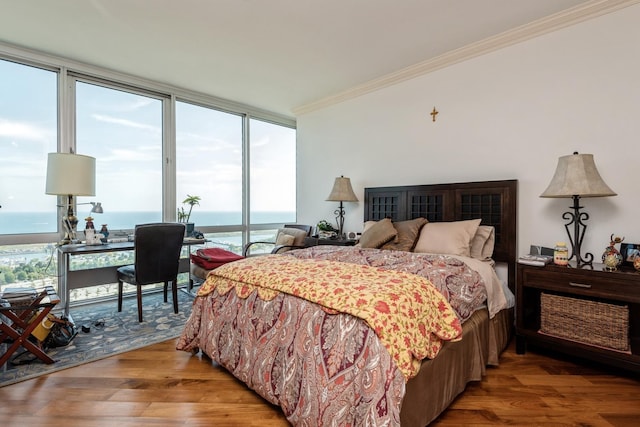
(315, 241)
(597, 302)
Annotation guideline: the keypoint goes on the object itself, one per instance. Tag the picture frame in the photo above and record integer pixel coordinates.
(628, 251)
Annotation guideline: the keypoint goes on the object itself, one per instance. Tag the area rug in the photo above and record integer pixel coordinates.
(110, 332)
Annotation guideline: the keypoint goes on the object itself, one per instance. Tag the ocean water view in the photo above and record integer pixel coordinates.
(46, 222)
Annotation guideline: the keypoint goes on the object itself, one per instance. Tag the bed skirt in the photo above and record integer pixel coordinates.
(441, 379)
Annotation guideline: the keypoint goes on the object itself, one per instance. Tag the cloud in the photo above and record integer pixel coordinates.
(139, 154)
(125, 123)
(26, 131)
(136, 104)
(197, 141)
(260, 142)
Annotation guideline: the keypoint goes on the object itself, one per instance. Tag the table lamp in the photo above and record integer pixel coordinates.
(70, 175)
(341, 192)
(576, 176)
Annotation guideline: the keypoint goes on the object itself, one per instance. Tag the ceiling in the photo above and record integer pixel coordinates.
(284, 56)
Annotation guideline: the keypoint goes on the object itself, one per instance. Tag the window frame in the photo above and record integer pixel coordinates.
(70, 71)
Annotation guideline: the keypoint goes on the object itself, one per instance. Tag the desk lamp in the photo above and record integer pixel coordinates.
(70, 175)
(577, 176)
(341, 192)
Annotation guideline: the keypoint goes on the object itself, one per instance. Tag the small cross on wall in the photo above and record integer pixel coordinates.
(434, 113)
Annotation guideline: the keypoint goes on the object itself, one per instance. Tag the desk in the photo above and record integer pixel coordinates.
(75, 279)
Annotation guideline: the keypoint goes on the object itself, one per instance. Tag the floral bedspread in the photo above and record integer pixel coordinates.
(463, 287)
(321, 368)
(406, 312)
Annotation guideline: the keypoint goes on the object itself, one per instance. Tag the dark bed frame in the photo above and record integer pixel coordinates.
(495, 202)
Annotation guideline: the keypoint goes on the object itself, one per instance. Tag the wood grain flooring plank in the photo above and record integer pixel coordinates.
(158, 386)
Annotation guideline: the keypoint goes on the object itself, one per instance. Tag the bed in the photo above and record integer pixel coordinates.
(276, 322)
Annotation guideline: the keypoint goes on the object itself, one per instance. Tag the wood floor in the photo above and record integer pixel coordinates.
(159, 386)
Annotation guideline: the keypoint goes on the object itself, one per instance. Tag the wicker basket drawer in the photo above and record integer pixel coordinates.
(589, 322)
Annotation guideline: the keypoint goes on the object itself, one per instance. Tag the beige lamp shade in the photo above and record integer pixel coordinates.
(577, 175)
(71, 174)
(342, 191)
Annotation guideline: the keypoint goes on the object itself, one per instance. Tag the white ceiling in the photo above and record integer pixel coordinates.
(283, 56)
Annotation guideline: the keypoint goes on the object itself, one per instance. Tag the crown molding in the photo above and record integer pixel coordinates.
(557, 21)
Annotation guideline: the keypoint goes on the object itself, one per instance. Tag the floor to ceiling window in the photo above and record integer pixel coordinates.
(28, 131)
(273, 172)
(209, 163)
(209, 154)
(123, 131)
(154, 146)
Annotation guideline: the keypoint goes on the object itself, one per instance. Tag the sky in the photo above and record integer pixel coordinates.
(123, 131)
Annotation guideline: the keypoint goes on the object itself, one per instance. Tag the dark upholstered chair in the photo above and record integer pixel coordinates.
(157, 255)
(291, 236)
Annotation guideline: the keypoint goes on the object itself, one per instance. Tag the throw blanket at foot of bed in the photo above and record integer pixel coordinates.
(260, 319)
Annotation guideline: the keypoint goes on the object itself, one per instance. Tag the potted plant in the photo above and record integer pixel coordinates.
(325, 230)
(184, 216)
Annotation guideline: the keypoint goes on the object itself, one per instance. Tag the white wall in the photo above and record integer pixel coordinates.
(508, 114)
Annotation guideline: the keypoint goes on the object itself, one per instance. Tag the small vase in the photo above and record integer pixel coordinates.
(611, 258)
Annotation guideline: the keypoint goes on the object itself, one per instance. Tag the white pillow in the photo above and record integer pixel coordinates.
(450, 238)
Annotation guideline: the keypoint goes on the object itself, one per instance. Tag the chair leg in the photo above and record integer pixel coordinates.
(166, 285)
(119, 295)
(139, 297)
(174, 291)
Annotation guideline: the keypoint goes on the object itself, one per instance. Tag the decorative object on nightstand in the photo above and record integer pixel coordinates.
(630, 253)
(70, 175)
(611, 257)
(325, 230)
(341, 192)
(352, 235)
(561, 254)
(576, 176)
(538, 260)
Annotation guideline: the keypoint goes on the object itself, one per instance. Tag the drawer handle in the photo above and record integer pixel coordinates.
(579, 285)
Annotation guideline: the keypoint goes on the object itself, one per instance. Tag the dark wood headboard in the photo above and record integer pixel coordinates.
(495, 202)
